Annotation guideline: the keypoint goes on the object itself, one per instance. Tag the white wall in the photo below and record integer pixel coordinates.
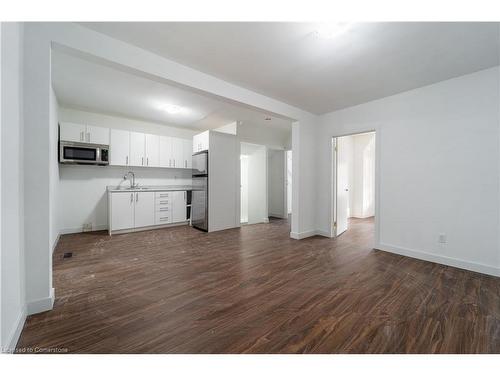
(363, 176)
(276, 183)
(13, 311)
(289, 168)
(438, 155)
(244, 188)
(269, 136)
(257, 186)
(82, 189)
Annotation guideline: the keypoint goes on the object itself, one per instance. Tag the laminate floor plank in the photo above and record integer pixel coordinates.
(255, 290)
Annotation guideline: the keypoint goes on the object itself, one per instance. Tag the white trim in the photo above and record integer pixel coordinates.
(41, 305)
(80, 230)
(54, 245)
(13, 337)
(151, 227)
(441, 259)
(301, 235)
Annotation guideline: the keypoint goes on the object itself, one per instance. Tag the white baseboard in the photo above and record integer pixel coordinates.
(265, 220)
(41, 305)
(80, 229)
(301, 235)
(14, 335)
(54, 245)
(441, 259)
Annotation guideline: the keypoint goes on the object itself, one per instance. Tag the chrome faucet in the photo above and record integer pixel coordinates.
(132, 182)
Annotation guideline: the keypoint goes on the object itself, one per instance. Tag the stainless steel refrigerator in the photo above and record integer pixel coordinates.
(199, 198)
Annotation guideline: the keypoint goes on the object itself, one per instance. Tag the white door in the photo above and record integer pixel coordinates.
(165, 152)
(178, 206)
(119, 147)
(177, 153)
(122, 210)
(188, 153)
(144, 209)
(342, 189)
(152, 150)
(137, 149)
(72, 132)
(97, 135)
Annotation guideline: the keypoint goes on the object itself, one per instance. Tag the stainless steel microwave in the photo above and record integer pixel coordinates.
(83, 153)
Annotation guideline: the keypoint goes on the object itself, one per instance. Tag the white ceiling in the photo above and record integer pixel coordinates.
(88, 85)
(288, 62)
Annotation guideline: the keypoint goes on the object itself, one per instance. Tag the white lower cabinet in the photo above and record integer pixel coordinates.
(144, 209)
(133, 210)
(122, 210)
(178, 206)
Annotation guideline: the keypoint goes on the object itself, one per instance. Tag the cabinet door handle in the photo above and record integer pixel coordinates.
(147, 161)
(88, 137)
(142, 160)
(174, 163)
(126, 160)
(131, 197)
(137, 197)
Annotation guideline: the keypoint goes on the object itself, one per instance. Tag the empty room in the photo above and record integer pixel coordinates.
(250, 188)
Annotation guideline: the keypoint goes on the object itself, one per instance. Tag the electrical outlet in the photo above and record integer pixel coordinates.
(87, 227)
(442, 238)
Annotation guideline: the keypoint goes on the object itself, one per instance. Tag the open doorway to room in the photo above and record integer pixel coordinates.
(254, 183)
(353, 182)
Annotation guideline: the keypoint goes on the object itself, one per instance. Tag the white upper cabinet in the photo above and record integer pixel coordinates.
(188, 153)
(72, 132)
(165, 152)
(84, 133)
(119, 147)
(200, 142)
(177, 153)
(152, 150)
(137, 145)
(97, 135)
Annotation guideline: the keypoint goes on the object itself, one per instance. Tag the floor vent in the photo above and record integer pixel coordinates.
(67, 255)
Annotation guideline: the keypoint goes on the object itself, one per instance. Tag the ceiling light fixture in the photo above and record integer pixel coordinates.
(332, 30)
(172, 109)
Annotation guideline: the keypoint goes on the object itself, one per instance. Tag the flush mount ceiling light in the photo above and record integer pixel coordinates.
(332, 30)
(172, 109)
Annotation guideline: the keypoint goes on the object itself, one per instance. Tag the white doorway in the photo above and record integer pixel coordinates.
(353, 182)
(254, 184)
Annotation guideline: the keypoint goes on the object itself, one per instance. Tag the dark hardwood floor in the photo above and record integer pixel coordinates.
(255, 290)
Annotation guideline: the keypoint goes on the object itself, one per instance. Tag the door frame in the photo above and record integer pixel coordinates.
(333, 180)
(285, 183)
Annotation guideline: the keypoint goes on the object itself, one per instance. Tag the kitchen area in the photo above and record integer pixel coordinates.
(134, 154)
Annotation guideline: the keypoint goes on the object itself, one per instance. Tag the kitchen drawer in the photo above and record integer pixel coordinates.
(163, 218)
(166, 208)
(163, 202)
(163, 194)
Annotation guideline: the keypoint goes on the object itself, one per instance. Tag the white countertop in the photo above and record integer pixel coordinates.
(117, 189)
